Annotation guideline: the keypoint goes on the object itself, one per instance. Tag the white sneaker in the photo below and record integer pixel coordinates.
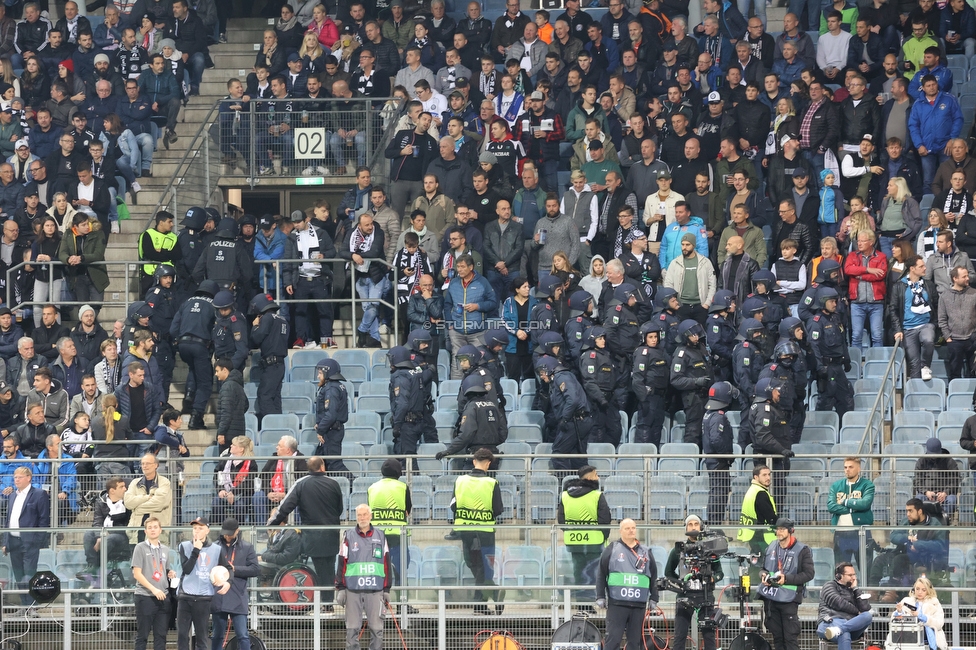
(115, 228)
(136, 187)
(832, 632)
(311, 345)
(308, 171)
(322, 170)
(350, 169)
(926, 373)
(384, 329)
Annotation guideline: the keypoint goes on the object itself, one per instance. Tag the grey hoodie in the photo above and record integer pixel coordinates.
(594, 284)
(957, 313)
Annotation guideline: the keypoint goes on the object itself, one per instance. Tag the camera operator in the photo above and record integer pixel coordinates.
(698, 591)
(844, 612)
(626, 586)
(787, 568)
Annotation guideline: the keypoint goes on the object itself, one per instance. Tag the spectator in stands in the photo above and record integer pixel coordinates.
(83, 246)
(925, 549)
(138, 401)
(31, 34)
(947, 256)
(26, 508)
(160, 88)
(910, 317)
(932, 124)
(959, 159)
(32, 434)
(503, 249)
(937, 477)
(866, 270)
(148, 496)
(190, 36)
(62, 482)
(68, 368)
(236, 476)
(694, 304)
(11, 409)
(108, 369)
(469, 299)
(133, 55)
(232, 404)
(22, 366)
(958, 323)
(89, 400)
(109, 512)
(51, 395)
(108, 426)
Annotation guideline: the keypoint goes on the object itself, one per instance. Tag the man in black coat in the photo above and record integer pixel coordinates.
(235, 602)
(319, 501)
(190, 35)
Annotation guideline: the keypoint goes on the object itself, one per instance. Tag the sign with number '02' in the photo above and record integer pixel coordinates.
(309, 144)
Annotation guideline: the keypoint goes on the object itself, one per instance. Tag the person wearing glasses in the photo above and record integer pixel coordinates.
(844, 612)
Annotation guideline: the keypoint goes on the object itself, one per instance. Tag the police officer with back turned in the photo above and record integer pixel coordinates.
(331, 413)
(482, 425)
(787, 568)
(406, 402)
(698, 595)
(626, 586)
(192, 329)
(569, 409)
(583, 504)
(477, 505)
(270, 333)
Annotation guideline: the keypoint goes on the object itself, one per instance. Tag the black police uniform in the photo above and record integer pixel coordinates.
(406, 409)
(190, 242)
(230, 339)
(599, 383)
(691, 375)
(271, 336)
(137, 310)
(493, 365)
(717, 439)
(225, 260)
(747, 364)
(543, 319)
(829, 342)
(428, 376)
(669, 337)
(331, 414)
(771, 437)
(191, 329)
(163, 303)
(482, 425)
(569, 407)
(623, 333)
(649, 381)
(720, 333)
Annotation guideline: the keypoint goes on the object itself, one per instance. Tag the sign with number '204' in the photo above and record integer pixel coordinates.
(309, 144)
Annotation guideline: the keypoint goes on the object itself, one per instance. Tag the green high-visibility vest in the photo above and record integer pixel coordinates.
(387, 499)
(473, 497)
(582, 511)
(165, 242)
(748, 516)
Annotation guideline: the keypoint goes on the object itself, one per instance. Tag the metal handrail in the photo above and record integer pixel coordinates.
(191, 152)
(889, 370)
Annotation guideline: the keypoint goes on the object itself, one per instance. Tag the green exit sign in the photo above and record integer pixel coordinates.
(310, 181)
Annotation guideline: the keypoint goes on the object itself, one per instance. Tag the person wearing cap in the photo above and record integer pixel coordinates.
(11, 407)
(234, 604)
(195, 595)
(582, 503)
(787, 567)
(937, 477)
(541, 130)
(21, 161)
(698, 596)
(626, 585)
(641, 267)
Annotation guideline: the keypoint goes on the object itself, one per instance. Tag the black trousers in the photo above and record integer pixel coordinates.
(694, 406)
(571, 438)
(325, 572)
(783, 623)
(682, 626)
(313, 289)
(269, 389)
(332, 446)
(195, 610)
(518, 366)
(478, 547)
(651, 412)
(151, 616)
(719, 486)
(405, 444)
(620, 618)
(199, 380)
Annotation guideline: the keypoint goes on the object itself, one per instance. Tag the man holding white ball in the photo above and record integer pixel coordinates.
(201, 562)
(363, 579)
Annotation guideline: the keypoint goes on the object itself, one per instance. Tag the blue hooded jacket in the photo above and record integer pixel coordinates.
(932, 125)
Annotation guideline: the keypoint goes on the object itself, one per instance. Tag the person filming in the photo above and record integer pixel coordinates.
(698, 580)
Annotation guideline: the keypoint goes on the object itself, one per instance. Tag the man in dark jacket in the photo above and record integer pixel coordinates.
(31, 34)
(579, 505)
(159, 87)
(319, 501)
(190, 35)
(937, 477)
(823, 118)
(787, 568)
(232, 403)
(789, 227)
(33, 433)
(858, 117)
(109, 512)
(234, 603)
(46, 336)
(844, 613)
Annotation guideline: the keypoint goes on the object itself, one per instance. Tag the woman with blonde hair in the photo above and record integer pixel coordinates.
(923, 603)
(235, 480)
(828, 251)
(9, 77)
(313, 56)
(925, 244)
(108, 371)
(110, 426)
(326, 31)
(899, 216)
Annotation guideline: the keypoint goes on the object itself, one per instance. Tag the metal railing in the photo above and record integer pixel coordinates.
(301, 138)
(892, 370)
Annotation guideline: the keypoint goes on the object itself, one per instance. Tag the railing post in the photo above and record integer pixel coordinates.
(206, 167)
(441, 620)
(252, 138)
(316, 619)
(66, 644)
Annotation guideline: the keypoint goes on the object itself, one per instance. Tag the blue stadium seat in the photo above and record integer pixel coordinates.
(666, 499)
(697, 498)
(443, 493)
(625, 494)
(914, 418)
(303, 373)
(933, 402)
(934, 385)
(422, 495)
(299, 389)
(522, 566)
(543, 495)
(910, 433)
(374, 387)
(297, 405)
(902, 465)
(515, 466)
(281, 421)
(373, 404)
(530, 433)
(270, 437)
(678, 458)
(427, 463)
(441, 565)
(635, 464)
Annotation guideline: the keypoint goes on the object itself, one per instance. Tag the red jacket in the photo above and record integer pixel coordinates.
(856, 273)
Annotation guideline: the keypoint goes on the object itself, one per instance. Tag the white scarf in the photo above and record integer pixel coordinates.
(360, 243)
(308, 243)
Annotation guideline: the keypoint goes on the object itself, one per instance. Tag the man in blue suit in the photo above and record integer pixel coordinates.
(27, 507)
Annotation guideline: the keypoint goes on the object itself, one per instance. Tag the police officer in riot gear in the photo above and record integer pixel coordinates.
(771, 437)
(583, 504)
(543, 314)
(650, 376)
(162, 298)
(331, 413)
(419, 344)
(720, 333)
(406, 402)
(192, 331)
(482, 425)
(600, 383)
(785, 355)
(829, 342)
(471, 362)
(551, 345)
(269, 333)
(691, 375)
(626, 585)
(225, 260)
(698, 590)
(828, 275)
(791, 329)
(717, 439)
(667, 299)
(570, 412)
(230, 331)
(580, 318)
(190, 244)
(495, 341)
(763, 284)
(747, 363)
(139, 318)
(622, 325)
